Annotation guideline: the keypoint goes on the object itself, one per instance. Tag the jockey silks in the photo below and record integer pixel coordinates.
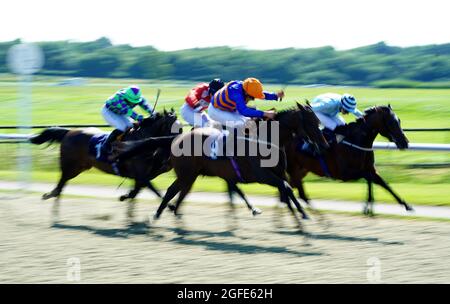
(232, 98)
(119, 105)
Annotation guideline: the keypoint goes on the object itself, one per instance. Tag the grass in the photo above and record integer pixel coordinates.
(417, 108)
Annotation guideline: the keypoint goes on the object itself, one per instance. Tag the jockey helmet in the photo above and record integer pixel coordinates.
(215, 85)
(132, 94)
(253, 87)
(348, 103)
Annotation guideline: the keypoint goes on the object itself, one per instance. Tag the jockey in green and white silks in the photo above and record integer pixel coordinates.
(327, 108)
(118, 112)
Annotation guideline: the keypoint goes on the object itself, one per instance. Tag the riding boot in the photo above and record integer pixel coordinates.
(329, 135)
(309, 149)
(106, 146)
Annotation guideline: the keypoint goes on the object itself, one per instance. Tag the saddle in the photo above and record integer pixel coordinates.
(215, 146)
(96, 143)
(331, 137)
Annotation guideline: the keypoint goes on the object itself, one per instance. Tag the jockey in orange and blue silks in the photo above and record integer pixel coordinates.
(229, 105)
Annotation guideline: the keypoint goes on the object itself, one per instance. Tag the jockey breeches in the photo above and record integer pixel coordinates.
(330, 122)
(226, 118)
(195, 119)
(117, 121)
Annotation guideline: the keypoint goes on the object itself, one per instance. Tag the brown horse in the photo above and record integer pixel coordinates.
(352, 158)
(75, 157)
(238, 169)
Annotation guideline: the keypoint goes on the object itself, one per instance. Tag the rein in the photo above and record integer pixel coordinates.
(356, 146)
(259, 141)
(366, 129)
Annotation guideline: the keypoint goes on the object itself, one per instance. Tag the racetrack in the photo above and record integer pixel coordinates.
(211, 244)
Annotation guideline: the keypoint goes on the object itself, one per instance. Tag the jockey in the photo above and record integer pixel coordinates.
(198, 99)
(229, 104)
(118, 112)
(328, 106)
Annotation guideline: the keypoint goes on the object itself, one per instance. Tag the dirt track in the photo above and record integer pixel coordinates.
(210, 245)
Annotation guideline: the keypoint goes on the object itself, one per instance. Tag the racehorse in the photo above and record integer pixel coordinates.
(75, 155)
(353, 157)
(238, 169)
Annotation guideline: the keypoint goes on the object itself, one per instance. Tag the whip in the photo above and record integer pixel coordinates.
(156, 101)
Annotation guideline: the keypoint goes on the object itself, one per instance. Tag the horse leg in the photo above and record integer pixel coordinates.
(58, 189)
(153, 189)
(368, 208)
(132, 194)
(232, 187)
(296, 180)
(67, 173)
(285, 196)
(230, 191)
(266, 176)
(170, 194)
(377, 179)
(185, 188)
(291, 195)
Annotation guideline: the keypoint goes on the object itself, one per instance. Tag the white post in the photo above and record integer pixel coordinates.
(25, 59)
(24, 118)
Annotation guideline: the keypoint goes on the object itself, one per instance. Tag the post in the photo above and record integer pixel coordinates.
(25, 59)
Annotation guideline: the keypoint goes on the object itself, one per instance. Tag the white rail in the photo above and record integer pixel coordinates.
(412, 146)
(376, 145)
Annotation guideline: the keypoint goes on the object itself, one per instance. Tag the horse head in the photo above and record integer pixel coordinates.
(387, 123)
(160, 124)
(303, 123)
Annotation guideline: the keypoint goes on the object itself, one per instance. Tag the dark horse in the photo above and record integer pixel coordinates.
(75, 157)
(353, 158)
(239, 169)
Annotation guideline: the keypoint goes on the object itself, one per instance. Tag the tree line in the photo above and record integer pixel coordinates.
(376, 65)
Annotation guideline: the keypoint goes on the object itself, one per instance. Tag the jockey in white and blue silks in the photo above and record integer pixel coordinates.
(327, 108)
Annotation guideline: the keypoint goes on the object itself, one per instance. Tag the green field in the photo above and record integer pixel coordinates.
(417, 108)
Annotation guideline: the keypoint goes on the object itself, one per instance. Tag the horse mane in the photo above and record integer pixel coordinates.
(292, 109)
(361, 120)
(286, 111)
(373, 109)
(156, 116)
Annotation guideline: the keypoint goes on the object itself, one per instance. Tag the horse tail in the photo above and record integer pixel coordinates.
(145, 146)
(49, 135)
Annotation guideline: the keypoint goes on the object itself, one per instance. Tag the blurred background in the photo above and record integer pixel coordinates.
(381, 52)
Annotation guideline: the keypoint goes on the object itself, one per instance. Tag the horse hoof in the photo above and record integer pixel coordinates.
(256, 211)
(366, 211)
(305, 216)
(409, 208)
(148, 223)
(171, 207)
(123, 197)
(156, 216)
(46, 196)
